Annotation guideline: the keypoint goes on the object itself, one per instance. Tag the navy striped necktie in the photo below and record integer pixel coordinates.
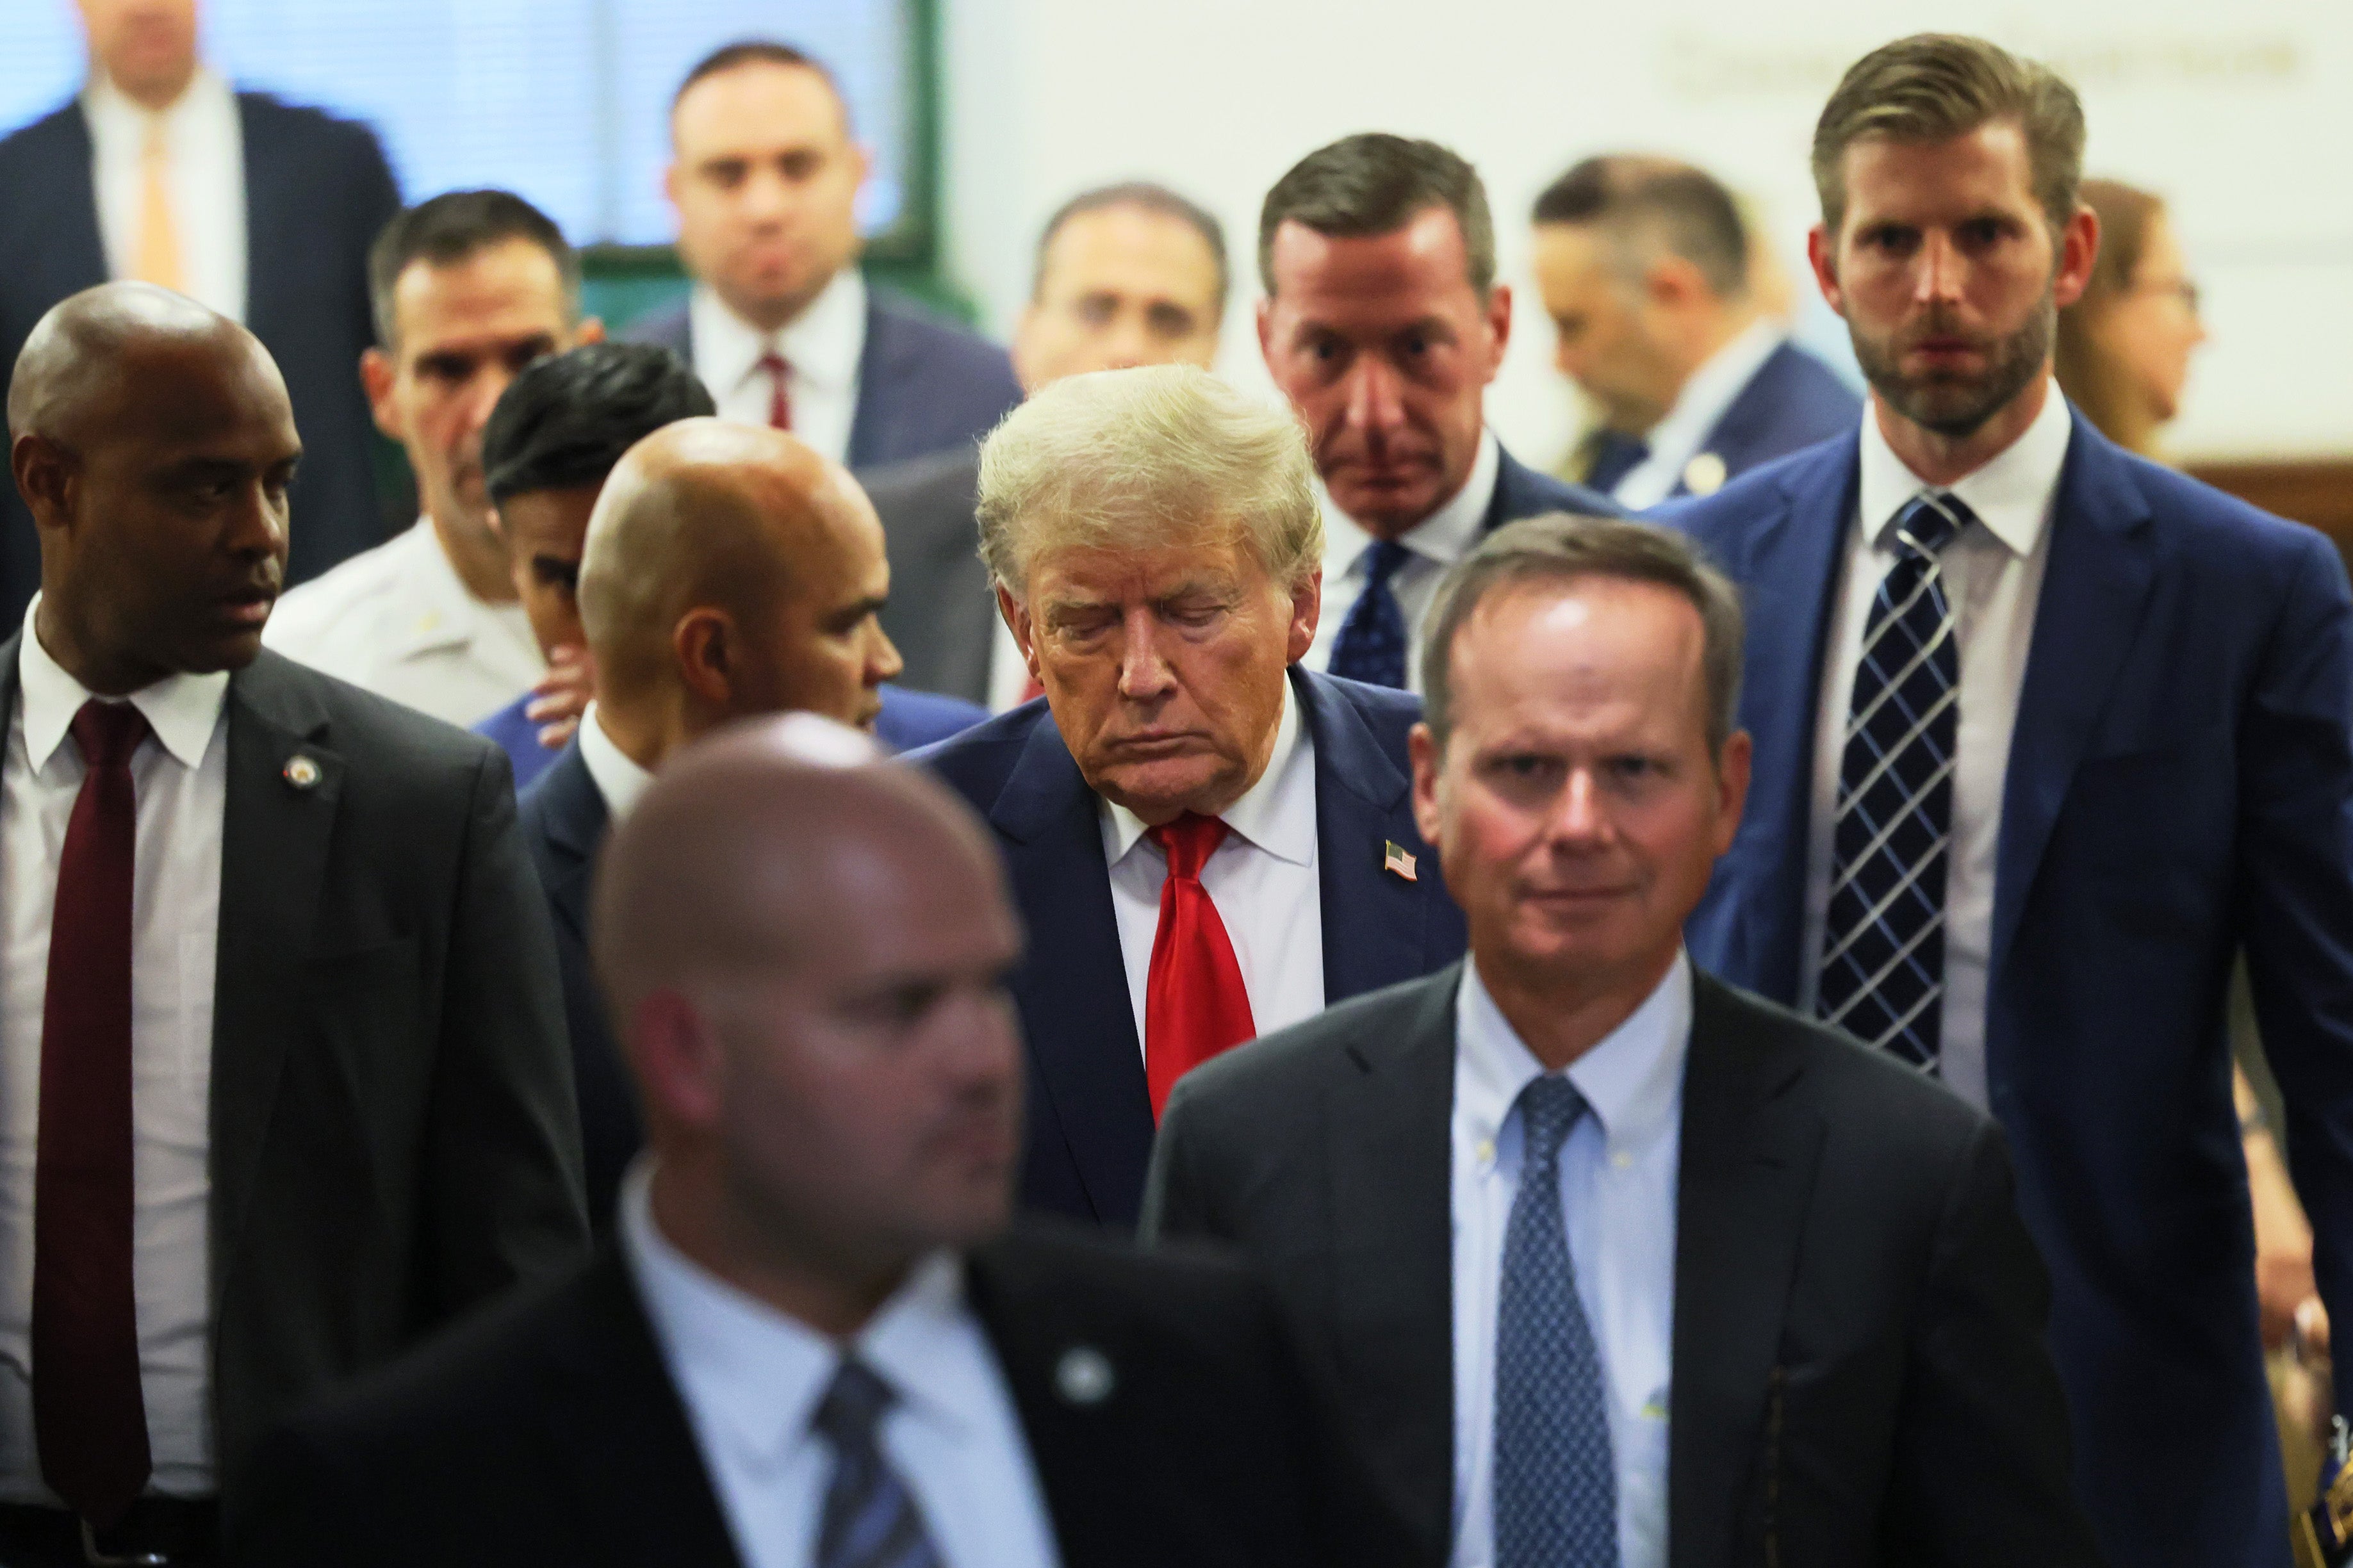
(871, 1519)
(1883, 975)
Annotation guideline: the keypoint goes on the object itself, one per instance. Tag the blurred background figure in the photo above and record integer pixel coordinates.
(1646, 270)
(157, 169)
(2124, 348)
(469, 288)
(781, 325)
(1126, 275)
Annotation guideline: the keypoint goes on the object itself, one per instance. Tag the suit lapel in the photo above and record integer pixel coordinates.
(1388, 1158)
(73, 255)
(2095, 586)
(1749, 1149)
(879, 373)
(1073, 987)
(275, 838)
(576, 817)
(1375, 921)
(273, 223)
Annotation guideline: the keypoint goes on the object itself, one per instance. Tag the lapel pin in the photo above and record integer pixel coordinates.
(1705, 474)
(1395, 860)
(1084, 1375)
(301, 772)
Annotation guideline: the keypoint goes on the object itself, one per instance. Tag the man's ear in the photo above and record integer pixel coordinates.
(376, 375)
(590, 331)
(45, 473)
(703, 643)
(1421, 750)
(1306, 610)
(1824, 261)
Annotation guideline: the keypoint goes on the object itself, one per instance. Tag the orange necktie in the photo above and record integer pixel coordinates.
(159, 237)
(1194, 1003)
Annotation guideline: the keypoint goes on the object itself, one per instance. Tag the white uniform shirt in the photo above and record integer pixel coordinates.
(1620, 1168)
(821, 347)
(751, 1379)
(616, 775)
(1436, 543)
(1993, 579)
(398, 620)
(1262, 879)
(205, 141)
(181, 773)
(1677, 439)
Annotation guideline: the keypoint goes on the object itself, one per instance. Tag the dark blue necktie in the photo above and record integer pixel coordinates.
(1883, 978)
(1615, 455)
(1371, 645)
(870, 1520)
(1555, 1484)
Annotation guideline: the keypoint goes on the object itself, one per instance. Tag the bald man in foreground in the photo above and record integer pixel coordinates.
(815, 1340)
(282, 1078)
(728, 570)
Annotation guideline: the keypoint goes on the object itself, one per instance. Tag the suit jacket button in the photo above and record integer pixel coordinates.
(1084, 1375)
(301, 772)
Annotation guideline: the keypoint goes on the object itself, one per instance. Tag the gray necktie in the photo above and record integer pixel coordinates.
(1555, 1484)
(870, 1520)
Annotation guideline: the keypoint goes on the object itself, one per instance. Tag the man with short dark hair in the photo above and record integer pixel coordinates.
(159, 170)
(1127, 274)
(1619, 1266)
(1644, 266)
(469, 288)
(2046, 735)
(781, 326)
(1382, 324)
(284, 1079)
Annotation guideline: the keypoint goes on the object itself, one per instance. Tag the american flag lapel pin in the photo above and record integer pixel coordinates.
(1393, 858)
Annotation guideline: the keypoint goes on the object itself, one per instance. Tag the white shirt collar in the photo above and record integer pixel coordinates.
(1633, 1080)
(2011, 495)
(182, 710)
(115, 113)
(759, 1373)
(1277, 813)
(1707, 393)
(616, 775)
(1445, 536)
(822, 345)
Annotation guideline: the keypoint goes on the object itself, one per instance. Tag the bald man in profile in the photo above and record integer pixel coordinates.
(282, 1081)
(729, 571)
(815, 1340)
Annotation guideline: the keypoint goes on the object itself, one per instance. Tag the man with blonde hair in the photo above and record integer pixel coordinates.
(1205, 842)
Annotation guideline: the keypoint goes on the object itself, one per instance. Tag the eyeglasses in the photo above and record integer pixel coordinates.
(2182, 289)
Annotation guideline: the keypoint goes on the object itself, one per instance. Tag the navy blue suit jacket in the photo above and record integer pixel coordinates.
(1520, 491)
(2179, 786)
(317, 190)
(923, 386)
(1793, 401)
(1090, 1125)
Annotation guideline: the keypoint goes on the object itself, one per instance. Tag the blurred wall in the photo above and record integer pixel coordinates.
(2241, 115)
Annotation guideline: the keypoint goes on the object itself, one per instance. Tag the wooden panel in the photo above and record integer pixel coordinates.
(2314, 490)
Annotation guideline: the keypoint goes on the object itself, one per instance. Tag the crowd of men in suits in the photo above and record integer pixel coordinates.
(1661, 1042)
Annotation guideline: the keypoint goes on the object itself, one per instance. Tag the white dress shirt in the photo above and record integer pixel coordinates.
(1993, 579)
(398, 620)
(1619, 1169)
(1262, 879)
(615, 774)
(205, 141)
(750, 1378)
(1436, 543)
(181, 775)
(1707, 391)
(820, 347)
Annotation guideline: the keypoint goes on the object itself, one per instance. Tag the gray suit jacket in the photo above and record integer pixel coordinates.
(943, 612)
(394, 1139)
(1860, 1376)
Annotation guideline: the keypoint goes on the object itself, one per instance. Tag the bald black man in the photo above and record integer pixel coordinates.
(283, 1081)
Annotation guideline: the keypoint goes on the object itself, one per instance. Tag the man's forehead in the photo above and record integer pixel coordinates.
(1425, 256)
(511, 290)
(1130, 246)
(761, 106)
(189, 399)
(1987, 167)
(1080, 574)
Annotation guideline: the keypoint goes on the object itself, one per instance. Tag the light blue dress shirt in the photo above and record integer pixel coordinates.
(1617, 1180)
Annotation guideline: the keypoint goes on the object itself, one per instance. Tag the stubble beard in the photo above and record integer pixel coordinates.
(1958, 407)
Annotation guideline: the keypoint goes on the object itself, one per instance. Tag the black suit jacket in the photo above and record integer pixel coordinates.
(393, 1135)
(923, 385)
(1859, 1376)
(1090, 1121)
(551, 1434)
(316, 192)
(564, 824)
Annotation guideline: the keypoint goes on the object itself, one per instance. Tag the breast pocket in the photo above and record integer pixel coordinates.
(2159, 818)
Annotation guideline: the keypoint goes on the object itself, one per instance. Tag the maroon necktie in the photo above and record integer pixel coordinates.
(1194, 1003)
(780, 398)
(87, 1415)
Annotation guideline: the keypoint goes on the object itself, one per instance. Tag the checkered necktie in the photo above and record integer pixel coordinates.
(871, 1519)
(1555, 1485)
(1883, 956)
(1371, 646)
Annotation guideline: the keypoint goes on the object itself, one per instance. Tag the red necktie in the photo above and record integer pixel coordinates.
(1194, 1003)
(88, 1417)
(780, 399)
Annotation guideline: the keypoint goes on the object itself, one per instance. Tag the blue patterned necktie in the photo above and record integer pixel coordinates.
(870, 1520)
(1555, 1484)
(1615, 455)
(1371, 646)
(1882, 977)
